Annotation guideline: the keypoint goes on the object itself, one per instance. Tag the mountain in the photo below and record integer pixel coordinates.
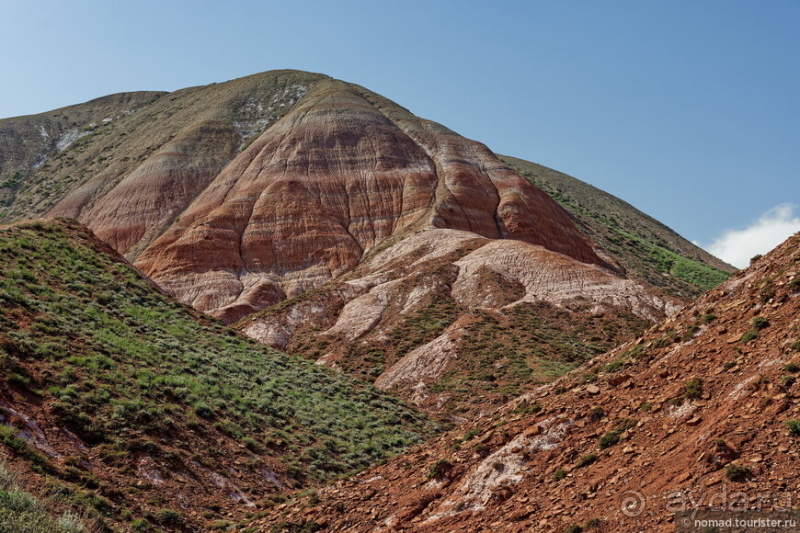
(333, 223)
(211, 164)
(319, 218)
(702, 411)
(124, 403)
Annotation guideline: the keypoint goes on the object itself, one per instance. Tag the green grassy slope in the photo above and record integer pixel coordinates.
(647, 249)
(94, 348)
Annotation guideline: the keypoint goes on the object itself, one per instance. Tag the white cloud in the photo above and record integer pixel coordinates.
(772, 228)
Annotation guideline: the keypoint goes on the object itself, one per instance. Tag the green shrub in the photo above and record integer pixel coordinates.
(793, 425)
(736, 472)
(693, 388)
(613, 366)
(690, 332)
(589, 378)
(760, 322)
(586, 460)
(526, 408)
(440, 468)
(609, 439)
(168, 517)
(481, 449)
(751, 334)
(791, 367)
(70, 522)
(203, 410)
(559, 474)
(574, 528)
(708, 317)
(140, 525)
(470, 434)
(767, 293)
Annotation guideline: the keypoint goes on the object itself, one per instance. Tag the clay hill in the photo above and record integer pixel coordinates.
(143, 414)
(703, 410)
(330, 222)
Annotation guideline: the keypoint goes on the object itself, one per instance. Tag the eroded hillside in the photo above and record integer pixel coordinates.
(458, 322)
(649, 250)
(367, 238)
(702, 409)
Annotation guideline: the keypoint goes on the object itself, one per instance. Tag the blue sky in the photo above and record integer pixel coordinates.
(687, 109)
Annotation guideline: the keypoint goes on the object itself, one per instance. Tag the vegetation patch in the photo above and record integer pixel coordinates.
(749, 335)
(693, 388)
(127, 368)
(20, 511)
(533, 343)
(794, 426)
(736, 472)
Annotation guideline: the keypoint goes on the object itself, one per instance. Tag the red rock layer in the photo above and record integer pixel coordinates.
(339, 174)
(146, 201)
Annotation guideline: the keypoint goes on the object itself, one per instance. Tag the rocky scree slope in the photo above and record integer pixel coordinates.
(134, 409)
(704, 406)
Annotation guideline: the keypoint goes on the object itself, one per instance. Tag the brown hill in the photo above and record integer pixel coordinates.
(339, 174)
(375, 241)
(250, 156)
(702, 410)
